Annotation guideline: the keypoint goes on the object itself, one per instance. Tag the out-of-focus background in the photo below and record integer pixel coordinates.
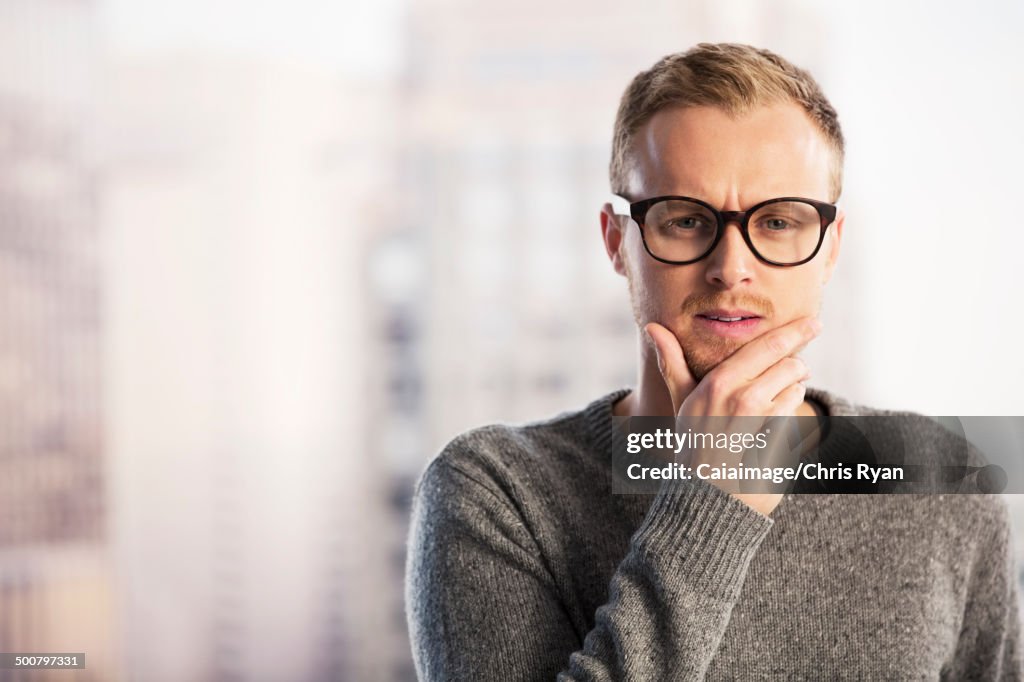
(260, 261)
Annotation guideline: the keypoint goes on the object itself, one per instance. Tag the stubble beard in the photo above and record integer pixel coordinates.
(704, 355)
(702, 352)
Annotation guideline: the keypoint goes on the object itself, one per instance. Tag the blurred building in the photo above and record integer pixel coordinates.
(252, 516)
(55, 574)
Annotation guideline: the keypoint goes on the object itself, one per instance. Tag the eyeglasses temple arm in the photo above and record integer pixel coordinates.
(620, 205)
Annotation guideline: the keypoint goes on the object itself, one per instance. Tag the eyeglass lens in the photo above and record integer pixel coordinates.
(784, 232)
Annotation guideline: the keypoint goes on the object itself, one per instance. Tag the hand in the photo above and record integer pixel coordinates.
(761, 379)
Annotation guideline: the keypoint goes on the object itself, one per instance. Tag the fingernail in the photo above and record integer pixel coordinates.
(816, 325)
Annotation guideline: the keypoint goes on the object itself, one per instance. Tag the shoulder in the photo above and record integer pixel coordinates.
(932, 439)
(908, 437)
(505, 459)
(839, 406)
(490, 450)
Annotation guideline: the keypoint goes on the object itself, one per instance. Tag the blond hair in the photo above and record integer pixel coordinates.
(732, 77)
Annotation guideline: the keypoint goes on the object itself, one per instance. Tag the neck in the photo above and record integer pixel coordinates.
(651, 397)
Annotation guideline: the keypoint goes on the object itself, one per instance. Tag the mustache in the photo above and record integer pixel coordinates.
(759, 305)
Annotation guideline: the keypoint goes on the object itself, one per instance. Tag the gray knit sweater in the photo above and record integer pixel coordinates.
(524, 566)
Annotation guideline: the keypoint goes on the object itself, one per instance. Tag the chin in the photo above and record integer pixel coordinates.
(703, 357)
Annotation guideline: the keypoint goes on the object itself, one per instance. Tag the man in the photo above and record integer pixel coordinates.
(523, 564)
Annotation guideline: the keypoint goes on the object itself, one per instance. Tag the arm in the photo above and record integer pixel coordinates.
(989, 647)
(482, 603)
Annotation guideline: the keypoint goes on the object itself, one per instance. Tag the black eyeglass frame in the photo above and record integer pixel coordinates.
(637, 210)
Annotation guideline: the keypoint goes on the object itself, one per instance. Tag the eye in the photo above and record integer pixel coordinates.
(775, 224)
(687, 223)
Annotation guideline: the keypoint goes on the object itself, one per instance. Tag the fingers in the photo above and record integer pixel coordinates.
(776, 379)
(671, 363)
(753, 359)
(787, 402)
(760, 379)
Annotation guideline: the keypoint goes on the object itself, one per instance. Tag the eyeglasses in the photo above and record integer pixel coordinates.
(680, 230)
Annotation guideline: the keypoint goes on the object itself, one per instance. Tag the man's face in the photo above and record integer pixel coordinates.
(732, 164)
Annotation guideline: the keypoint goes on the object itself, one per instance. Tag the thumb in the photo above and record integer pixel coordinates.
(671, 363)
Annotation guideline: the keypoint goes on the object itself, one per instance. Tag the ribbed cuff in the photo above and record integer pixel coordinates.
(706, 534)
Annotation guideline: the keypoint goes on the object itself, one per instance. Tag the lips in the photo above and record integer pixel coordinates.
(727, 315)
(736, 324)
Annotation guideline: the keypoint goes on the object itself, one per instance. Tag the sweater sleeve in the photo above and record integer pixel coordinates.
(989, 647)
(483, 605)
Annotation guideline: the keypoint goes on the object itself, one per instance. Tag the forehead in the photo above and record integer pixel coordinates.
(705, 152)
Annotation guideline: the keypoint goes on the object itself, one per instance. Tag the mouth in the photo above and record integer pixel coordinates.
(728, 323)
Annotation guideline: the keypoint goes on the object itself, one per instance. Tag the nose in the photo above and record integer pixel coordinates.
(731, 263)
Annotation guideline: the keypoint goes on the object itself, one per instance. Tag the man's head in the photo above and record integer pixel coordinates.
(733, 78)
(732, 126)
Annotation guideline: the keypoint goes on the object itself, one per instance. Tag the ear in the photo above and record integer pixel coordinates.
(612, 233)
(836, 228)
